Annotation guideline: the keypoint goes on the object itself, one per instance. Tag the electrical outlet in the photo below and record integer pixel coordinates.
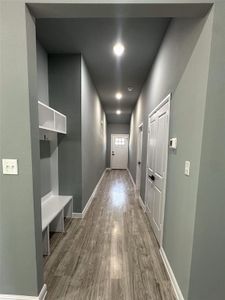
(173, 143)
(10, 166)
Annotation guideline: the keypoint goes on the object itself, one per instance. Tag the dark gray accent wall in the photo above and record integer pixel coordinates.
(93, 124)
(181, 67)
(21, 262)
(81, 152)
(208, 263)
(65, 96)
(42, 74)
(114, 129)
(45, 167)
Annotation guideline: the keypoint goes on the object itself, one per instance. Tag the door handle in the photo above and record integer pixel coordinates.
(152, 177)
(139, 163)
(113, 154)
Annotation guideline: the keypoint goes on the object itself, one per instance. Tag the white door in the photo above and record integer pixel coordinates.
(157, 153)
(119, 151)
(139, 157)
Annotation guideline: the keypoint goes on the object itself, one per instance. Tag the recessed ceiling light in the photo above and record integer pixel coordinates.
(118, 49)
(118, 112)
(119, 96)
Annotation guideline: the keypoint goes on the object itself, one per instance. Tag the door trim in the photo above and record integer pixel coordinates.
(167, 99)
(164, 101)
(125, 135)
(141, 202)
(141, 125)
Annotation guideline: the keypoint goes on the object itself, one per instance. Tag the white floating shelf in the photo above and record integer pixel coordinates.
(50, 119)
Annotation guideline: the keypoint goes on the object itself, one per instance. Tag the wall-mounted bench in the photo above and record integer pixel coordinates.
(54, 209)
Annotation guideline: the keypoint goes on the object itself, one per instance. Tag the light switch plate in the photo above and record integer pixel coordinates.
(187, 168)
(10, 166)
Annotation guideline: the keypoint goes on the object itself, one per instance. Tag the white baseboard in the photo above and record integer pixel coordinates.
(82, 215)
(41, 296)
(131, 177)
(176, 288)
(77, 215)
(142, 203)
(43, 292)
(139, 197)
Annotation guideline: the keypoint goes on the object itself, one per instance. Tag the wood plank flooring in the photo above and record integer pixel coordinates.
(111, 254)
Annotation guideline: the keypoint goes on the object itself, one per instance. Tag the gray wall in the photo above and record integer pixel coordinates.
(187, 117)
(81, 152)
(45, 167)
(93, 135)
(181, 67)
(20, 216)
(20, 221)
(42, 74)
(65, 96)
(163, 78)
(113, 129)
(43, 96)
(208, 263)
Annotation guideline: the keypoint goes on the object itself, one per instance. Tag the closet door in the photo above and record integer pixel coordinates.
(157, 151)
(152, 130)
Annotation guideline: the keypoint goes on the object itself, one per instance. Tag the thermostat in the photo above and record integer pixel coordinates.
(173, 143)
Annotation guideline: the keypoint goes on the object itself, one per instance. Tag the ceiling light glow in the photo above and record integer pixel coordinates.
(118, 49)
(118, 112)
(119, 96)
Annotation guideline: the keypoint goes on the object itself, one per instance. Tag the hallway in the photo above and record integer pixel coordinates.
(111, 253)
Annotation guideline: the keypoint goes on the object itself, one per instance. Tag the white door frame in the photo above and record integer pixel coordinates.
(124, 135)
(161, 104)
(138, 152)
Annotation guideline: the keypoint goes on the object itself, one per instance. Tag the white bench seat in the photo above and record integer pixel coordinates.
(51, 207)
(54, 209)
